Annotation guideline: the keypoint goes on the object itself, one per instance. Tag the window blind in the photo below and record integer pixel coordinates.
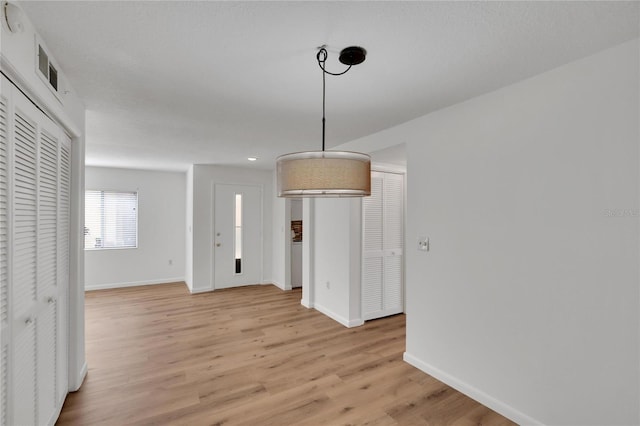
(111, 220)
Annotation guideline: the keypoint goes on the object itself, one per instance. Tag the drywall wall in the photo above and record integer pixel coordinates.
(280, 248)
(528, 299)
(204, 177)
(188, 273)
(337, 241)
(296, 247)
(160, 256)
(17, 59)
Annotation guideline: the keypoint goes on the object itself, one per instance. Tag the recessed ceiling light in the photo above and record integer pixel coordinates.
(252, 158)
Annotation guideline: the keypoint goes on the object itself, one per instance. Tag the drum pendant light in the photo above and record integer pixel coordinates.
(326, 173)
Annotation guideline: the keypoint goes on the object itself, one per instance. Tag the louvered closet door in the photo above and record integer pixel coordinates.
(382, 274)
(372, 273)
(47, 268)
(393, 227)
(4, 251)
(24, 275)
(63, 236)
(38, 157)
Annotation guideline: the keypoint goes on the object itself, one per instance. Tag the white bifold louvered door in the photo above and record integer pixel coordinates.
(34, 250)
(383, 233)
(4, 254)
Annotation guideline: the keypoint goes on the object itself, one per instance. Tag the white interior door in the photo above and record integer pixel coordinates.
(383, 232)
(237, 239)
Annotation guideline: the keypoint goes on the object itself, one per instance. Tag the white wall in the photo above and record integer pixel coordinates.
(161, 230)
(17, 61)
(337, 258)
(280, 254)
(188, 274)
(204, 177)
(296, 248)
(529, 299)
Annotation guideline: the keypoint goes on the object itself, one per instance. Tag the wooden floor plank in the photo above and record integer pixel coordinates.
(253, 355)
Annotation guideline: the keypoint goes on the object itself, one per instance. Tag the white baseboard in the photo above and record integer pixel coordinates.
(306, 303)
(280, 286)
(472, 392)
(277, 284)
(90, 287)
(199, 290)
(342, 320)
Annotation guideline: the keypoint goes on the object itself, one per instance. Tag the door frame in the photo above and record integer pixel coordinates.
(212, 248)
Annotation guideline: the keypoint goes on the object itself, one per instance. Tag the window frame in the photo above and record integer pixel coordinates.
(102, 225)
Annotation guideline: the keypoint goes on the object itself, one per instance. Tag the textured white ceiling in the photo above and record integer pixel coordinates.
(168, 84)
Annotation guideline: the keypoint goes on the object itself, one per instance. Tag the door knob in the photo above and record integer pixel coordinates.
(217, 244)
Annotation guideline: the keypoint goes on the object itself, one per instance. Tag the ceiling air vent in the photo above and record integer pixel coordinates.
(47, 71)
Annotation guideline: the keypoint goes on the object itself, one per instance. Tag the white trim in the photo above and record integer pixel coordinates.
(199, 290)
(91, 287)
(388, 168)
(73, 387)
(308, 260)
(306, 303)
(342, 320)
(277, 284)
(472, 392)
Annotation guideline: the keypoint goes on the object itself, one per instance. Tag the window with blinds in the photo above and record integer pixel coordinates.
(111, 220)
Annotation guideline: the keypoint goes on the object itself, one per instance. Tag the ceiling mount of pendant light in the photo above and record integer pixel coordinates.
(326, 173)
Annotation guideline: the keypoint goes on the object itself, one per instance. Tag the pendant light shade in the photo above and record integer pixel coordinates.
(324, 174)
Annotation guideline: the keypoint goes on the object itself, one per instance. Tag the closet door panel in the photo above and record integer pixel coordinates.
(4, 212)
(47, 268)
(383, 236)
(46, 361)
(393, 242)
(393, 212)
(23, 291)
(47, 214)
(372, 297)
(372, 206)
(372, 290)
(64, 188)
(4, 254)
(393, 302)
(24, 380)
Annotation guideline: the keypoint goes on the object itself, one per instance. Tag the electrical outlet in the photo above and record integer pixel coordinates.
(423, 243)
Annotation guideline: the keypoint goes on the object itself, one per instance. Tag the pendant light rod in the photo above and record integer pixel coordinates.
(350, 56)
(324, 120)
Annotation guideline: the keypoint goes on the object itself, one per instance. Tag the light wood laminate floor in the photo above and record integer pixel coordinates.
(250, 356)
